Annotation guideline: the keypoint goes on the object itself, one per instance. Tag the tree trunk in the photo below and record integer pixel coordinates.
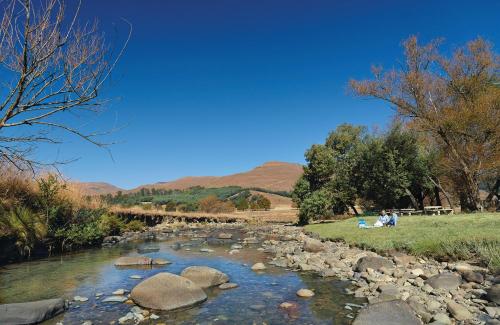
(412, 198)
(469, 196)
(437, 197)
(493, 191)
(354, 209)
(446, 195)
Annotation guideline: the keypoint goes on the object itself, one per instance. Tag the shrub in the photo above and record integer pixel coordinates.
(259, 202)
(212, 204)
(134, 225)
(111, 225)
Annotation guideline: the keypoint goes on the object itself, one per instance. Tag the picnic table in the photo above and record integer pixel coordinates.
(409, 211)
(437, 209)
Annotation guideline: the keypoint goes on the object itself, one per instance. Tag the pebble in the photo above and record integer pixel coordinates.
(305, 293)
(136, 277)
(206, 250)
(119, 292)
(80, 298)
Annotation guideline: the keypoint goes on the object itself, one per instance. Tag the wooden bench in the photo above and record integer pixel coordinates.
(437, 209)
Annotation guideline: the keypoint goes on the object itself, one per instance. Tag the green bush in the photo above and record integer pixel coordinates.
(111, 225)
(134, 225)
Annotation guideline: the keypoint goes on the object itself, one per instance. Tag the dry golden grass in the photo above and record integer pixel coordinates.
(269, 216)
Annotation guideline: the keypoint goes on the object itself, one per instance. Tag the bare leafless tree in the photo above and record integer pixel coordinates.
(52, 69)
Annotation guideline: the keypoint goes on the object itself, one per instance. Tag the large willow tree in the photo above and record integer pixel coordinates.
(456, 100)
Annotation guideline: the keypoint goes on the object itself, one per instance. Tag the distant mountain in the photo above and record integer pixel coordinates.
(96, 188)
(274, 176)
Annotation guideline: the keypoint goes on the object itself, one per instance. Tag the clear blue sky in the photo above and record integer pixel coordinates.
(217, 87)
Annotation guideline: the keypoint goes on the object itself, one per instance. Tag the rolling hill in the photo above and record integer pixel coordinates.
(273, 176)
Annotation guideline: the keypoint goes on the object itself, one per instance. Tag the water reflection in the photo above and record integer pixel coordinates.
(257, 298)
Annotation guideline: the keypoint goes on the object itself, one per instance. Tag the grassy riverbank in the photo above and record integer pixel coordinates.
(455, 237)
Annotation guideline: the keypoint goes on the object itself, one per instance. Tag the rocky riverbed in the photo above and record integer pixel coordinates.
(228, 273)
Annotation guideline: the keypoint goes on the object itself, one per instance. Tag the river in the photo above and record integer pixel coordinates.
(92, 272)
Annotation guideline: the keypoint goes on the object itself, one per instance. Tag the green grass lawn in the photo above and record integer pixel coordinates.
(456, 237)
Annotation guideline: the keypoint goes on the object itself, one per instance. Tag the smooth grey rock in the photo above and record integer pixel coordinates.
(228, 285)
(442, 319)
(458, 311)
(205, 276)
(167, 291)
(31, 312)
(372, 262)
(472, 276)
(224, 235)
(493, 294)
(313, 245)
(133, 260)
(387, 313)
(115, 299)
(448, 281)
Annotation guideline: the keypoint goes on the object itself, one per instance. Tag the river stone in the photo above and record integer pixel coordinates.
(228, 285)
(205, 276)
(224, 235)
(167, 291)
(395, 312)
(472, 276)
(115, 299)
(458, 311)
(372, 262)
(313, 245)
(448, 281)
(493, 294)
(258, 266)
(133, 260)
(442, 319)
(305, 293)
(160, 261)
(31, 312)
(403, 259)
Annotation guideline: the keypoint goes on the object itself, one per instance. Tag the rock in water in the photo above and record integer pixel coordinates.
(448, 281)
(229, 285)
(167, 291)
(133, 260)
(258, 267)
(31, 312)
(160, 261)
(372, 262)
(388, 313)
(224, 235)
(305, 293)
(205, 276)
(313, 245)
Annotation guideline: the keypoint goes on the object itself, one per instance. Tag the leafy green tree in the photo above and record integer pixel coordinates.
(315, 206)
(259, 202)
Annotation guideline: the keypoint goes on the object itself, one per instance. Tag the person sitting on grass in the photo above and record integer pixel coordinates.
(393, 220)
(382, 220)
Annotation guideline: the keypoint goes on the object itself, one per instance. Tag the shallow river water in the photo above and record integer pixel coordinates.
(255, 301)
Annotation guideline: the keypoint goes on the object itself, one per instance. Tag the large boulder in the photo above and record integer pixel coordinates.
(395, 312)
(493, 293)
(313, 245)
(205, 276)
(372, 262)
(167, 291)
(133, 260)
(448, 281)
(31, 312)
